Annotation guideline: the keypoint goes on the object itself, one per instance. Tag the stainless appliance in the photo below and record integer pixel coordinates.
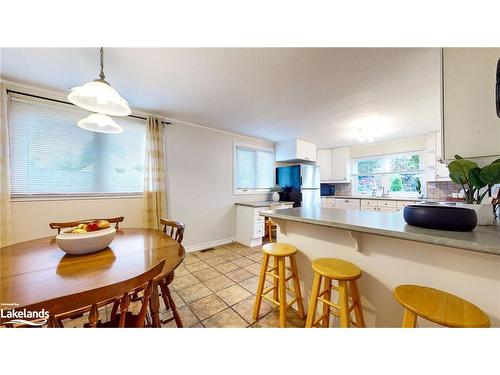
(300, 184)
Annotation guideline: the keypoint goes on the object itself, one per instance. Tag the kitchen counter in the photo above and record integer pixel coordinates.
(261, 203)
(391, 253)
(390, 198)
(485, 239)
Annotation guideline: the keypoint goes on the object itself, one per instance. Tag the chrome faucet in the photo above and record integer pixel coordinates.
(384, 194)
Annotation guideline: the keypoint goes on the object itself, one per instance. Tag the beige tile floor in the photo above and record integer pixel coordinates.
(216, 288)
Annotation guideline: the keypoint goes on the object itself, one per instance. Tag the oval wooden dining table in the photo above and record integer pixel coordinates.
(34, 272)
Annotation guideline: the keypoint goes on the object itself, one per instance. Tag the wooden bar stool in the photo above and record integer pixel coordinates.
(345, 274)
(279, 251)
(439, 307)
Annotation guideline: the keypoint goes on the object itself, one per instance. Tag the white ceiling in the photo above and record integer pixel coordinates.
(320, 94)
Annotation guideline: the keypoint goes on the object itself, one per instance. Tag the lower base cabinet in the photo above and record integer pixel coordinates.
(250, 225)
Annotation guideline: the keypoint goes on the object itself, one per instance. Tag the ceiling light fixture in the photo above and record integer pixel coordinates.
(98, 96)
(363, 137)
(97, 122)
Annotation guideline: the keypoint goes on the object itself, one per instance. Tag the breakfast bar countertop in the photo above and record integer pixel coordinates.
(389, 198)
(261, 203)
(484, 239)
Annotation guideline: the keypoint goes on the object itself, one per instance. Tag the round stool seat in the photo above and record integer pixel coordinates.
(440, 307)
(337, 269)
(279, 249)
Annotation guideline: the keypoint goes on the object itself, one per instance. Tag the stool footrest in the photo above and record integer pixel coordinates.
(292, 302)
(270, 299)
(316, 322)
(329, 303)
(268, 289)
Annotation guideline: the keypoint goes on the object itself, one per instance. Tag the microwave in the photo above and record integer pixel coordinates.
(327, 190)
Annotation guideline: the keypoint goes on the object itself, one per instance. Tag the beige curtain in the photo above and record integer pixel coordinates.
(5, 213)
(154, 174)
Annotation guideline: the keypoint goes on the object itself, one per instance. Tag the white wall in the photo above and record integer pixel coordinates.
(199, 189)
(30, 219)
(200, 183)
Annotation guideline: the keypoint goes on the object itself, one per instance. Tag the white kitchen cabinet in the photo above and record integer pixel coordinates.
(402, 204)
(387, 209)
(369, 203)
(250, 225)
(347, 204)
(328, 202)
(340, 164)
(442, 172)
(435, 169)
(334, 164)
(470, 126)
(324, 161)
(295, 149)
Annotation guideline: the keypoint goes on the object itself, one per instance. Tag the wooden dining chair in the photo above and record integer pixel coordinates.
(89, 301)
(69, 224)
(174, 229)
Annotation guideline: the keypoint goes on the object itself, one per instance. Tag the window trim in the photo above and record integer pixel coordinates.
(421, 171)
(249, 191)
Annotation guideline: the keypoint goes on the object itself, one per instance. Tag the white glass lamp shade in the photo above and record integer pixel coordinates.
(100, 123)
(98, 96)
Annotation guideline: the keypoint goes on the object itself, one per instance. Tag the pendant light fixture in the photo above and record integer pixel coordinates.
(97, 122)
(98, 96)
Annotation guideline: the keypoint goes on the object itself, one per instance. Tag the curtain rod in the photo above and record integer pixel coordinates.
(64, 102)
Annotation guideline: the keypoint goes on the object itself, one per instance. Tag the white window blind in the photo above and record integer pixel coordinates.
(254, 168)
(51, 155)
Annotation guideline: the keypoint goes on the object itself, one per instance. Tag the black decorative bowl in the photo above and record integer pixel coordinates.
(441, 217)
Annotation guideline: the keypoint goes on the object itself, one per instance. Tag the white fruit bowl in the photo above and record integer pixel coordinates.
(84, 243)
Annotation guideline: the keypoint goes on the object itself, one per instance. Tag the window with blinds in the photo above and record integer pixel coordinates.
(254, 169)
(51, 155)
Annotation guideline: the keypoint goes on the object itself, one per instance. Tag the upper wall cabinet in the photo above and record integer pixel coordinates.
(334, 164)
(324, 161)
(471, 127)
(295, 150)
(435, 169)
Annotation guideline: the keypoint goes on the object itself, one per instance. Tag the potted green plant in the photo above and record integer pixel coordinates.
(276, 189)
(476, 183)
(418, 187)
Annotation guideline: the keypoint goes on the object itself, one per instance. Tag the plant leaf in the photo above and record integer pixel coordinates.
(491, 174)
(475, 179)
(456, 179)
(460, 168)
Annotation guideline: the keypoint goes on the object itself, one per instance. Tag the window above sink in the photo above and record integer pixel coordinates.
(396, 174)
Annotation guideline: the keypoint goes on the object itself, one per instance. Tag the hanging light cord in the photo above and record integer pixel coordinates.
(101, 74)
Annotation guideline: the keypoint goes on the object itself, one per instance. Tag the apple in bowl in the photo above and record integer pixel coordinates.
(86, 237)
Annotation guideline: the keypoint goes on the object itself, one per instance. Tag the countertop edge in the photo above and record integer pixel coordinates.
(261, 203)
(415, 237)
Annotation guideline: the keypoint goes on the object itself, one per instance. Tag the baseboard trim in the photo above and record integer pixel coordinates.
(208, 245)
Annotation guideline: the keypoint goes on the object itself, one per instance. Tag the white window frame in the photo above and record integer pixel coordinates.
(404, 194)
(237, 191)
(61, 196)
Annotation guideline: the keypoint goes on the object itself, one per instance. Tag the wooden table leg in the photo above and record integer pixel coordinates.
(154, 306)
(409, 319)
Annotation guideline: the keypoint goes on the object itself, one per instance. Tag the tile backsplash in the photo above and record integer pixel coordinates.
(441, 189)
(342, 189)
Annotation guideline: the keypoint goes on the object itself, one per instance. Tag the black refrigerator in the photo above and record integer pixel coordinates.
(300, 184)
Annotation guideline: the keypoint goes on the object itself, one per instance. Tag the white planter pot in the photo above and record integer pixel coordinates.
(484, 213)
(276, 196)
